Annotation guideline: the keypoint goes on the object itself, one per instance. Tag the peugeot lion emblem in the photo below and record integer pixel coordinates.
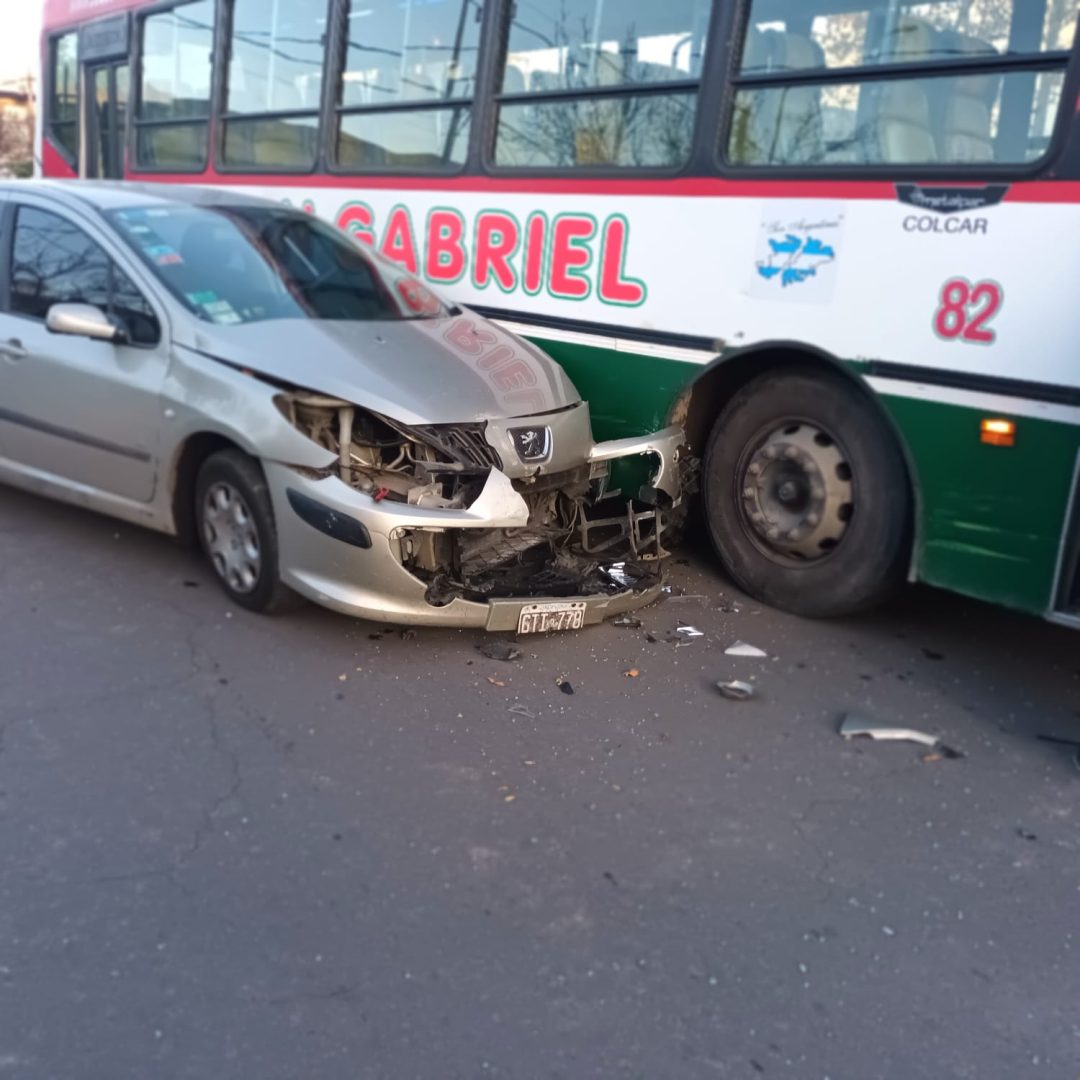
(533, 444)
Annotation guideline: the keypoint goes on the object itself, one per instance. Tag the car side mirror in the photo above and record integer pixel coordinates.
(82, 320)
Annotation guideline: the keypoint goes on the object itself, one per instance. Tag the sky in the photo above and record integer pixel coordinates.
(19, 38)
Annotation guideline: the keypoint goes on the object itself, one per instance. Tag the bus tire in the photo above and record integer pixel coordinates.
(806, 494)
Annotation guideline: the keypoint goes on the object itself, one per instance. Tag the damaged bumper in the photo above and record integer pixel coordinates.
(553, 535)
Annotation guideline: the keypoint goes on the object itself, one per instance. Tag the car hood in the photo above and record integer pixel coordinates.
(431, 371)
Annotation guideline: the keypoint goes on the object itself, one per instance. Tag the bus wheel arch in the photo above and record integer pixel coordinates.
(756, 415)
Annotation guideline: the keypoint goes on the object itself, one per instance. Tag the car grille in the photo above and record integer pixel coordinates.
(463, 443)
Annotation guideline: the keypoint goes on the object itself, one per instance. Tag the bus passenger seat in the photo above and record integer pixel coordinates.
(901, 117)
(966, 118)
(779, 125)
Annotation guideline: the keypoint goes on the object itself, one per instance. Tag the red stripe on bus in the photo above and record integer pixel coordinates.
(53, 164)
(58, 13)
(1032, 191)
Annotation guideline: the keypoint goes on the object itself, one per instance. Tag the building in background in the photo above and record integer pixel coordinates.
(17, 127)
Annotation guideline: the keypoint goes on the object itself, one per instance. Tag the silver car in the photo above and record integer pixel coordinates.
(228, 369)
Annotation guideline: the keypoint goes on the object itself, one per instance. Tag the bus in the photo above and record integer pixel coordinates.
(828, 237)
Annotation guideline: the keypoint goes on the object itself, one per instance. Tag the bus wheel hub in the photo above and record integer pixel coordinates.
(797, 491)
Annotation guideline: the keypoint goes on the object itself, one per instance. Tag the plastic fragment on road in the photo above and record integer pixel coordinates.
(499, 650)
(741, 648)
(689, 631)
(632, 673)
(853, 726)
(495, 682)
(520, 710)
(628, 622)
(736, 690)
(563, 683)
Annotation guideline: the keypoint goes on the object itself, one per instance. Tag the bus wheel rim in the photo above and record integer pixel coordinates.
(796, 491)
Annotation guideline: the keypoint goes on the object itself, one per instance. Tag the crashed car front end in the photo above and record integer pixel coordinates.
(507, 525)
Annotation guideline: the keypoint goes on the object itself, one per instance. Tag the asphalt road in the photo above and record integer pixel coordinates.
(238, 848)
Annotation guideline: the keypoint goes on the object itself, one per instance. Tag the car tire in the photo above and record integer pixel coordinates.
(806, 494)
(234, 520)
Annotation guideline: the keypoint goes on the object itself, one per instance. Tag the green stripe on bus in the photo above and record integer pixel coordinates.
(992, 517)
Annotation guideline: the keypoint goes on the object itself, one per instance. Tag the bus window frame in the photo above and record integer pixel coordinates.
(961, 172)
(219, 97)
(334, 110)
(714, 71)
(135, 166)
(49, 87)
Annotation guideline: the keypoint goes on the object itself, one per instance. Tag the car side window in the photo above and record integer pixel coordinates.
(55, 262)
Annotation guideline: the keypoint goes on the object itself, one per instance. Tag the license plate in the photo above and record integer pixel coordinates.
(546, 618)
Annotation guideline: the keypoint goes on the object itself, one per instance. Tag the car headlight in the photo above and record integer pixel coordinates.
(440, 466)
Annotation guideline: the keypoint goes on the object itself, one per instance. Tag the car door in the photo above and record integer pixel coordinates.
(86, 411)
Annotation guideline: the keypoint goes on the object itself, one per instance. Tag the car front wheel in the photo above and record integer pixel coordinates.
(235, 522)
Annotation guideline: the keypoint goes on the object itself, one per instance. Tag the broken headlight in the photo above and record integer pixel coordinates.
(440, 466)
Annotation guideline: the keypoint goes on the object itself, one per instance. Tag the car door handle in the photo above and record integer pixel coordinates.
(12, 349)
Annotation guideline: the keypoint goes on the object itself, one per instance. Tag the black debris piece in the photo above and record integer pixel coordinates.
(930, 654)
(499, 650)
(563, 683)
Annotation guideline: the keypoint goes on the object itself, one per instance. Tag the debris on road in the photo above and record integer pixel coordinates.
(499, 650)
(1074, 744)
(520, 710)
(495, 682)
(853, 726)
(736, 690)
(931, 654)
(628, 622)
(741, 648)
(563, 683)
(669, 637)
(190, 584)
(632, 673)
(689, 631)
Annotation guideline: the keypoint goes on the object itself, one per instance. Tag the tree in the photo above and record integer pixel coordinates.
(17, 131)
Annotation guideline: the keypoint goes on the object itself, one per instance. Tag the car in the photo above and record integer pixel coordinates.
(232, 370)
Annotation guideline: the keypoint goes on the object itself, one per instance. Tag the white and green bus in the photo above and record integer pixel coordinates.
(831, 237)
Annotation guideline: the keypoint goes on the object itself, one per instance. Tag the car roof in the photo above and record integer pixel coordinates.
(105, 195)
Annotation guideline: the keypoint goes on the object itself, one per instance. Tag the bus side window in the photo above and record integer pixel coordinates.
(588, 83)
(275, 75)
(953, 114)
(405, 97)
(173, 113)
(63, 100)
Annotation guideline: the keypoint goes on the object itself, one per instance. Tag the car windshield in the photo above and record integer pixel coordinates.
(238, 264)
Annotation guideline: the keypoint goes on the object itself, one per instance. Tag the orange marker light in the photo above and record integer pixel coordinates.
(999, 432)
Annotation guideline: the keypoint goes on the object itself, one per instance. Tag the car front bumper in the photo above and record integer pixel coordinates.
(349, 560)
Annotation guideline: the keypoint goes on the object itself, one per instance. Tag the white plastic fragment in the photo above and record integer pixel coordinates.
(740, 648)
(736, 690)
